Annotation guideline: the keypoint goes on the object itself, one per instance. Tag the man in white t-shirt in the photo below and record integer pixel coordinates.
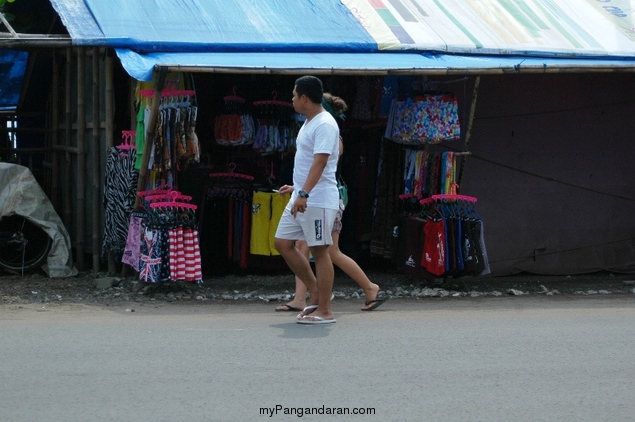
(314, 202)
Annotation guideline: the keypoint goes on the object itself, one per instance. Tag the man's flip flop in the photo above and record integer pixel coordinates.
(307, 311)
(309, 320)
(288, 307)
(375, 304)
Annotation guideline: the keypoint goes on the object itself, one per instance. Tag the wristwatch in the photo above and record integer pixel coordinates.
(303, 194)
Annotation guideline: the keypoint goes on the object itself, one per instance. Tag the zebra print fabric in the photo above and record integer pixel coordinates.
(120, 189)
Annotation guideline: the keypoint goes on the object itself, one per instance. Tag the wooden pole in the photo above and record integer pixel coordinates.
(150, 131)
(81, 156)
(96, 163)
(68, 135)
(109, 126)
(109, 101)
(55, 135)
(468, 134)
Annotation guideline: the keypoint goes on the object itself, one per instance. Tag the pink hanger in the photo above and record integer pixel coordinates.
(168, 195)
(450, 197)
(127, 137)
(164, 189)
(234, 98)
(173, 203)
(177, 92)
(406, 195)
(231, 173)
(273, 102)
(146, 92)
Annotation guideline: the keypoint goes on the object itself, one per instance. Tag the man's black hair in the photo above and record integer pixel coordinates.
(311, 87)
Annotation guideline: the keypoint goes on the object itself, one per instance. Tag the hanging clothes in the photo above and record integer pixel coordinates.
(429, 173)
(454, 242)
(267, 209)
(425, 119)
(169, 245)
(175, 144)
(226, 222)
(133, 242)
(119, 198)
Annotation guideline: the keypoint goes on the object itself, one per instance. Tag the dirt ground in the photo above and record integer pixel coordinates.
(36, 287)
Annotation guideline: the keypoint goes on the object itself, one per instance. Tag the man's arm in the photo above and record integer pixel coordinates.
(315, 172)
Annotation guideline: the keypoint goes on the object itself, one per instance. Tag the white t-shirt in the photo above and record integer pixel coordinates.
(319, 136)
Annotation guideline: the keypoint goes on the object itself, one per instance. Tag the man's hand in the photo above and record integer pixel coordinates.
(298, 206)
(284, 189)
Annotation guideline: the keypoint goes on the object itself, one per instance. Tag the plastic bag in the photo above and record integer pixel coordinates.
(341, 186)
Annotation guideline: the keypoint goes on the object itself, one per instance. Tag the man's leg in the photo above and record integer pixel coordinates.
(299, 264)
(325, 275)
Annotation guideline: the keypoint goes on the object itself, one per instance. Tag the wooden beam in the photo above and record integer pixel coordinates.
(81, 158)
(96, 147)
(68, 124)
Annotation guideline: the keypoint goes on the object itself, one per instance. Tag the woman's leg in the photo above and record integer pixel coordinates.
(299, 299)
(353, 270)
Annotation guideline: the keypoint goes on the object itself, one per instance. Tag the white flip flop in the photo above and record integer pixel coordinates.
(309, 320)
(311, 308)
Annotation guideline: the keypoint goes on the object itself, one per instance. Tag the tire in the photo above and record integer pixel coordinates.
(20, 256)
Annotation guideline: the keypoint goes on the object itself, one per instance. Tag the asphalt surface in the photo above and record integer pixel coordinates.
(440, 359)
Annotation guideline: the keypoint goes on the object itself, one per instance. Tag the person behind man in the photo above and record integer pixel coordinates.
(314, 201)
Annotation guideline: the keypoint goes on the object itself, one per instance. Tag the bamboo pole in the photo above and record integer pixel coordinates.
(109, 101)
(150, 131)
(68, 206)
(438, 71)
(133, 114)
(109, 111)
(81, 156)
(468, 133)
(55, 136)
(96, 162)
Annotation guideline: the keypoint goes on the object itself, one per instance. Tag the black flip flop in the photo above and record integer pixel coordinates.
(289, 309)
(375, 304)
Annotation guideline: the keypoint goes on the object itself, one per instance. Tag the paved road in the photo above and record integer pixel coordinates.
(487, 359)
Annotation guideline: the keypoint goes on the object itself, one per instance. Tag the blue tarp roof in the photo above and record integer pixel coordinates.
(141, 66)
(364, 36)
(215, 25)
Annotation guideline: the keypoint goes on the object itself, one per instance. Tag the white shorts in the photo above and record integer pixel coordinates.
(313, 226)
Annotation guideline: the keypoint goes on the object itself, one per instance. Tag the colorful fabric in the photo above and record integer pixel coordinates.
(427, 119)
(150, 260)
(133, 243)
(434, 250)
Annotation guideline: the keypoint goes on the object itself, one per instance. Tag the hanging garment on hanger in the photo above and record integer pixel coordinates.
(132, 250)
(426, 119)
(143, 117)
(119, 198)
(409, 242)
(154, 248)
(434, 250)
(267, 209)
(225, 221)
